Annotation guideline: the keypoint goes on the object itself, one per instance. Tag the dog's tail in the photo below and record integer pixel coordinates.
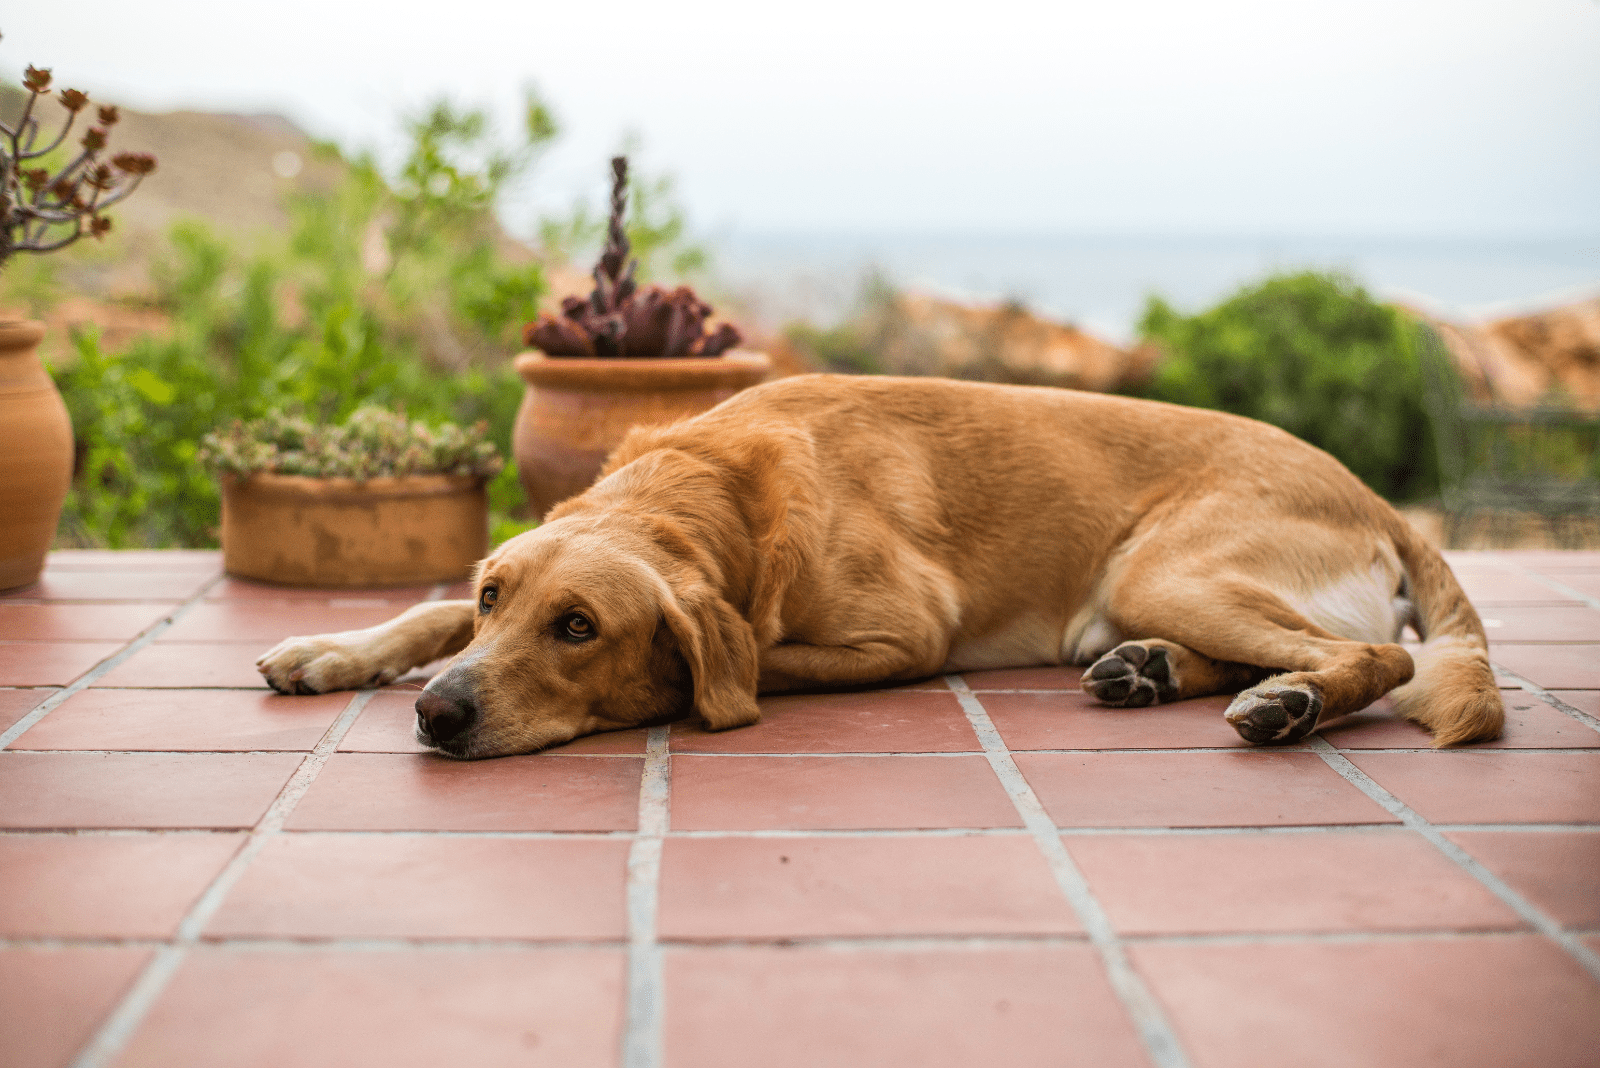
(1453, 693)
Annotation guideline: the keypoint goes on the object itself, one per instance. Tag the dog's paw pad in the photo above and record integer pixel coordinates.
(1275, 715)
(1131, 676)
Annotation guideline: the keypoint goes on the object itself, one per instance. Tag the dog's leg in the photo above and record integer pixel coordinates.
(1152, 671)
(1238, 621)
(797, 665)
(370, 657)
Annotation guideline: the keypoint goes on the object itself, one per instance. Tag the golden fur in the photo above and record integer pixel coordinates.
(828, 530)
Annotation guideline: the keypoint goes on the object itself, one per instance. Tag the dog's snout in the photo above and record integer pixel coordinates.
(443, 717)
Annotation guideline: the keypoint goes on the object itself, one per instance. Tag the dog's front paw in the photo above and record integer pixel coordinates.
(1131, 676)
(321, 663)
(1276, 712)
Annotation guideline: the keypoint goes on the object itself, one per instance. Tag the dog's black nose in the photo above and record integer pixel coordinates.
(443, 717)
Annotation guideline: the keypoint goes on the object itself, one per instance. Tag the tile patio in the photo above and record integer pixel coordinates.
(980, 870)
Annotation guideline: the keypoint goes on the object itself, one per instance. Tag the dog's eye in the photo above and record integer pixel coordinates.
(575, 628)
(487, 598)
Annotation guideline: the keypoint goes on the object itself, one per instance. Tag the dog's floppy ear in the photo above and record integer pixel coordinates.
(721, 651)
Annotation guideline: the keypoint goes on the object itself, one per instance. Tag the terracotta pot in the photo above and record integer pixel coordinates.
(340, 532)
(35, 455)
(577, 410)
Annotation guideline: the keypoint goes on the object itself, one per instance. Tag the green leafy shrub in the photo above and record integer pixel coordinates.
(372, 443)
(312, 329)
(1312, 353)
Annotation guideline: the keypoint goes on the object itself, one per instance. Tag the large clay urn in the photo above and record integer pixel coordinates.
(35, 455)
(577, 410)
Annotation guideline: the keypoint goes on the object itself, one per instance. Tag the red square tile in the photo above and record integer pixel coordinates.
(773, 888)
(1034, 678)
(1488, 588)
(223, 790)
(1555, 667)
(50, 663)
(105, 886)
(1558, 871)
(955, 1008)
(428, 886)
(1563, 623)
(388, 725)
(233, 588)
(1491, 787)
(55, 1000)
(882, 721)
(14, 704)
(99, 584)
(1215, 884)
(382, 792)
(1530, 724)
(191, 665)
(399, 1009)
(1585, 582)
(1250, 788)
(272, 621)
(1074, 720)
(78, 622)
(742, 793)
(1466, 1003)
(1583, 700)
(185, 720)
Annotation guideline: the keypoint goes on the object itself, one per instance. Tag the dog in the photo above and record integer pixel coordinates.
(827, 530)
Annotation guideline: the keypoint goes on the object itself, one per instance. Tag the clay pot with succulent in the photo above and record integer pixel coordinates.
(625, 356)
(43, 211)
(377, 501)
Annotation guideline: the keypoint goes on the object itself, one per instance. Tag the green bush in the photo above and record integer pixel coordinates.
(373, 443)
(1312, 353)
(312, 329)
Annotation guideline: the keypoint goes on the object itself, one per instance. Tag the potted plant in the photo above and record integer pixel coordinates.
(42, 212)
(378, 501)
(626, 356)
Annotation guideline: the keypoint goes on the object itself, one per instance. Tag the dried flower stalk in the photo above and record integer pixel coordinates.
(35, 204)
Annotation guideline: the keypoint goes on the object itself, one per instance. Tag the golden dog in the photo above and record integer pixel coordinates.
(829, 530)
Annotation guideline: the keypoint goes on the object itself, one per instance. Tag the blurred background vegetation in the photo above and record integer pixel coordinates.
(399, 287)
(396, 289)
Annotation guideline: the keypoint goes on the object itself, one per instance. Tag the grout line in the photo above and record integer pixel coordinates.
(777, 833)
(88, 678)
(1582, 750)
(119, 1027)
(641, 1035)
(1155, 1032)
(1547, 697)
(869, 943)
(1553, 584)
(1587, 958)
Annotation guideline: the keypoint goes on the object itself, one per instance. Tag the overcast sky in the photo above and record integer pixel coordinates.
(1372, 117)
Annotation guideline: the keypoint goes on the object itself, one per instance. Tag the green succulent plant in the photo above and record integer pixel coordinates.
(373, 442)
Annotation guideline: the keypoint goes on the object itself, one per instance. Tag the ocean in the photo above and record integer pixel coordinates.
(1100, 283)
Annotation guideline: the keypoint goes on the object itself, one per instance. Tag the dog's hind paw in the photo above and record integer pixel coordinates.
(1131, 676)
(1276, 712)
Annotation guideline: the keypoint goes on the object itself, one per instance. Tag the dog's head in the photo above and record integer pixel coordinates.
(585, 627)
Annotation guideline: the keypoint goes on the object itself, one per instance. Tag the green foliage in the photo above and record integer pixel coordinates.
(397, 297)
(1314, 354)
(373, 443)
(856, 344)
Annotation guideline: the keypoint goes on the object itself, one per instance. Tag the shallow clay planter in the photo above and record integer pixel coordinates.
(577, 410)
(35, 455)
(340, 532)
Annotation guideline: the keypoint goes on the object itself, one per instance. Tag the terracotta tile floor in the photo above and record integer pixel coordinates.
(989, 870)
